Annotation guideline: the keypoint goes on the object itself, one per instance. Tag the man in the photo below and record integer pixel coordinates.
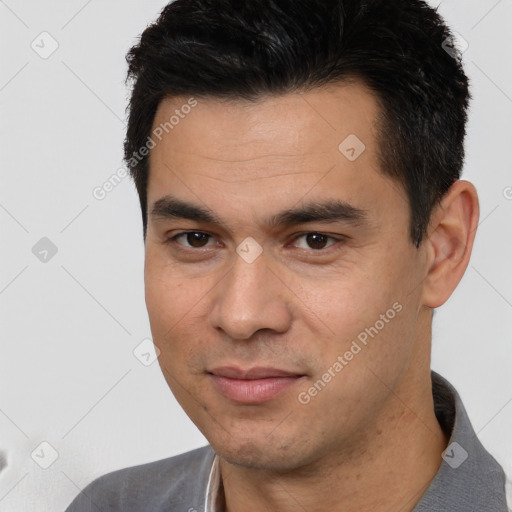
(298, 170)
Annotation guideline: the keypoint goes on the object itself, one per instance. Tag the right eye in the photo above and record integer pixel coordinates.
(194, 239)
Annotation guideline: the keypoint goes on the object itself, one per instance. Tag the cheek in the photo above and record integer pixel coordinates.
(177, 310)
(370, 317)
(166, 306)
(168, 296)
(347, 306)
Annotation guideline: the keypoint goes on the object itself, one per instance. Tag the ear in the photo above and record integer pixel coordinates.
(449, 242)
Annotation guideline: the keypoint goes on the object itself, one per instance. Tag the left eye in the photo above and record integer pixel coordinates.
(317, 241)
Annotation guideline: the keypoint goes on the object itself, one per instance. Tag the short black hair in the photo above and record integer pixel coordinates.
(401, 50)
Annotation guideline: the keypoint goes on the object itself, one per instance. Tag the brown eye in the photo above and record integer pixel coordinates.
(197, 239)
(193, 239)
(316, 240)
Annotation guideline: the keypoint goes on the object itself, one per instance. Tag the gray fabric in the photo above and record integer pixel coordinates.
(478, 484)
(179, 483)
(174, 484)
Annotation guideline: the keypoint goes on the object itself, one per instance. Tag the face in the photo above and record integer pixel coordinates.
(281, 282)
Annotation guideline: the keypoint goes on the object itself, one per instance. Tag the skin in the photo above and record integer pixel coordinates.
(369, 440)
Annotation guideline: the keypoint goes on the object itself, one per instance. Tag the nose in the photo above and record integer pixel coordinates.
(250, 298)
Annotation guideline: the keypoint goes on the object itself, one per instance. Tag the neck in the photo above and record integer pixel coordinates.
(390, 470)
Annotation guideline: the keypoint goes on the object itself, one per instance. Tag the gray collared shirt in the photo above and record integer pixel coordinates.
(468, 480)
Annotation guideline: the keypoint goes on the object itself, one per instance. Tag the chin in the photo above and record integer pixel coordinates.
(255, 458)
(263, 453)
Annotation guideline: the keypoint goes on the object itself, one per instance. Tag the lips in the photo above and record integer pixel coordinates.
(254, 385)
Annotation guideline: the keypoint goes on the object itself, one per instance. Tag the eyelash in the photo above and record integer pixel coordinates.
(173, 240)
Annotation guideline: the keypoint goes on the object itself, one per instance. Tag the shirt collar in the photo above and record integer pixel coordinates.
(214, 497)
(469, 478)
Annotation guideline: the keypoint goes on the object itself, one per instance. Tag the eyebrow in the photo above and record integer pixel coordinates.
(169, 207)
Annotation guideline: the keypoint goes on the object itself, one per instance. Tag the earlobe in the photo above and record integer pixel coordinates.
(450, 240)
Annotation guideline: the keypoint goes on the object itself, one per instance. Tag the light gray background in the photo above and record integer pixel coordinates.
(69, 326)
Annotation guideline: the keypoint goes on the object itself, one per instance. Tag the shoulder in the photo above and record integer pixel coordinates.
(152, 487)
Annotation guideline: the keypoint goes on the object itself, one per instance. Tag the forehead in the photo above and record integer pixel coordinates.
(247, 159)
(294, 125)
